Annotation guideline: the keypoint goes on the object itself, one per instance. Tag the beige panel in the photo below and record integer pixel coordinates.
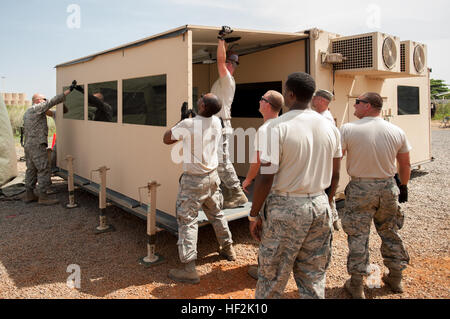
(201, 78)
(135, 154)
(416, 127)
(271, 65)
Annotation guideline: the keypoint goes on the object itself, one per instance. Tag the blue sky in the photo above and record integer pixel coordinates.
(35, 35)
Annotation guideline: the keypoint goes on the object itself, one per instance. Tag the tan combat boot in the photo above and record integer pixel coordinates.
(30, 196)
(45, 200)
(187, 275)
(237, 198)
(228, 252)
(394, 281)
(355, 287)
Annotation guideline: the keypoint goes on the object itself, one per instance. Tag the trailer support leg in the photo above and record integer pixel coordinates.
(152, 258)
(103, 227)
(70, 184)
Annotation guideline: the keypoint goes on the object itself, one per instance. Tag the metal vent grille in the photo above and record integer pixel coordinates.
(358, 52)
(402, 57)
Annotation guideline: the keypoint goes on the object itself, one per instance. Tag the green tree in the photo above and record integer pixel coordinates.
(437, 87)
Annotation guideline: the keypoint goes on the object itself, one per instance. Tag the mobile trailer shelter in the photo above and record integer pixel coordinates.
(145, 83)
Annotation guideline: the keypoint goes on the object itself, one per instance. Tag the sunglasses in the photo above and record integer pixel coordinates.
(358, 101)
(265, 100)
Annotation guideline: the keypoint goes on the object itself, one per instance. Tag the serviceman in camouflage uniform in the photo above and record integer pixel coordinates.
(320, 102)
(224, 88)
(270, 106)
(295, 230)
(36, 143)
(373, 145)
(199, 186)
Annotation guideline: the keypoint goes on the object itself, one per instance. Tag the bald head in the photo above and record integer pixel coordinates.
(210, 105)
(38, 98)
(99, 96)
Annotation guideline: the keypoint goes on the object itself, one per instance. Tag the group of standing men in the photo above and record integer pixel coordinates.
(296, 166)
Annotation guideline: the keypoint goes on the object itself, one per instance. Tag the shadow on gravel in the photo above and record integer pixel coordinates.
(218, 282)
(418, 173)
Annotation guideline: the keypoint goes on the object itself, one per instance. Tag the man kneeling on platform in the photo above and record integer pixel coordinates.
(199, 185)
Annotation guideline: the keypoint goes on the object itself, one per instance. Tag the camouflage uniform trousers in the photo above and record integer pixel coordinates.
(376, 200)
(199, 192)
(334, 212)
(226, 169)
(38, 169)
(296, 236)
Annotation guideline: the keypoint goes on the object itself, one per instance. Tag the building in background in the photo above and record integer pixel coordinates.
(15, 99)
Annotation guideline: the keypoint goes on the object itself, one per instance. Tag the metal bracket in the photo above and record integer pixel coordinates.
(152, 258)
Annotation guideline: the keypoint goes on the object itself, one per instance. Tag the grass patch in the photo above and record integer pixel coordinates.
(16, 112)
(442, 110)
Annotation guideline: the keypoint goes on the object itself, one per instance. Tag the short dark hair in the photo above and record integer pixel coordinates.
(212, 105)
(302, 85)
(374, 99)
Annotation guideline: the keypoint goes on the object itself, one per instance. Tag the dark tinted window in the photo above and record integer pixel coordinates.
(247, 96)
(75, 105)
(195, 97)
(408, 100)
(144, 100)
(102, 101)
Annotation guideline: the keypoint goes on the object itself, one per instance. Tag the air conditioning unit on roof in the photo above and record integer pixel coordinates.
(374, 54)
(413, 57)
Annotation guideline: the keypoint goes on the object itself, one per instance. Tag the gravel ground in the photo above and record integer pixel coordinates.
(37, 245)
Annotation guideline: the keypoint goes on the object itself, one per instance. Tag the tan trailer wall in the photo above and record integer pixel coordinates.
(417, 127)
(265, 66)
(135, 154)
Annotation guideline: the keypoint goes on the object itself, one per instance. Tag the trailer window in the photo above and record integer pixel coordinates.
(408, 100)
(75, 105)
(247, 96)
(102, 101)
(144, 100)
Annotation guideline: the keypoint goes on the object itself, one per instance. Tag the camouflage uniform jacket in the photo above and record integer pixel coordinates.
(35, 122)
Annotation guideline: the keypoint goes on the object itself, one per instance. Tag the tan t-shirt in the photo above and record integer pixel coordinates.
(261, 136)
(372, 145)
(201, 138)
(224, 88)
(303, 160)
(327, 114)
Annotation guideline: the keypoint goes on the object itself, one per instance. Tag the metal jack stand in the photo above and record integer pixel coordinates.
(70, 185)
(152, 258)
(103, 227)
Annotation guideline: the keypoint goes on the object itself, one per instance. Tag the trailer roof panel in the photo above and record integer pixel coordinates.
(204, 37)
